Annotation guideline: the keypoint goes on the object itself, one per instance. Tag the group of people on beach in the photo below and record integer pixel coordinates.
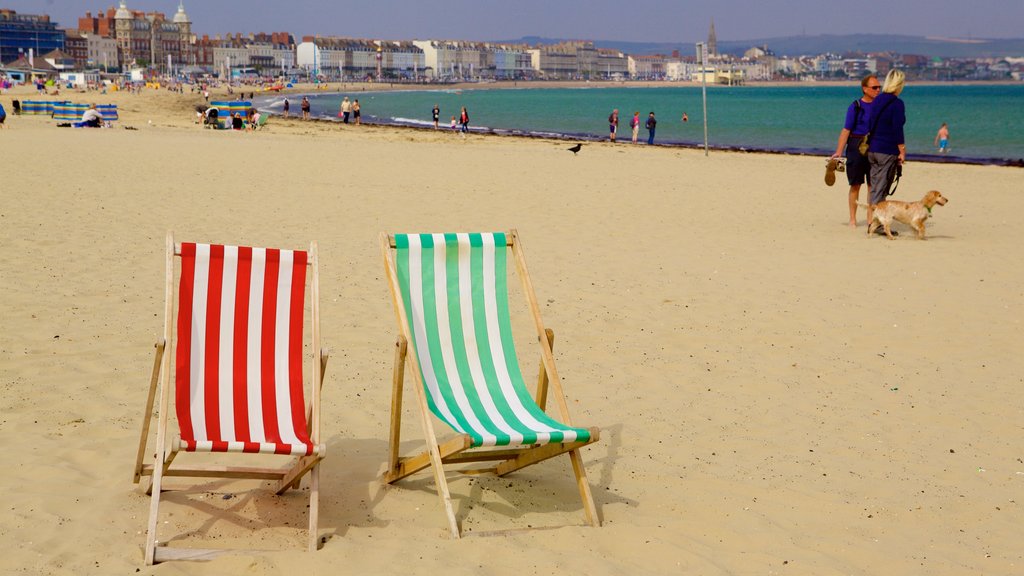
(634, 124)
(873, 142)
(461, 125)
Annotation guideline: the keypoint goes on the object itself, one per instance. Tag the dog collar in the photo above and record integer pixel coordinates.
(929, 209)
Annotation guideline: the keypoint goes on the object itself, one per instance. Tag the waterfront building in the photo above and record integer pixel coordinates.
(333, 57)
(651, 67)
(269, 54)
(456, 60)
(578, 60)
(20, 33)
(144, 39)
(76, 45)
(512, 62)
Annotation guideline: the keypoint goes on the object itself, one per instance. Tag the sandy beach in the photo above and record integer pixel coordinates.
(777, 393)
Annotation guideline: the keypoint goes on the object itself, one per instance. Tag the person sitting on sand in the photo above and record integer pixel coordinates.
(92, 118)
(236, 122)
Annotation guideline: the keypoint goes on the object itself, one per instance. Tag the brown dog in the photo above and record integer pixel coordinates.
(911, 213)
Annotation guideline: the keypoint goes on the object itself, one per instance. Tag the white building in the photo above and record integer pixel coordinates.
(101, 51)
(355, 58)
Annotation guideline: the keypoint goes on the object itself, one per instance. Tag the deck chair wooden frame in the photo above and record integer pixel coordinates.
(460, 449)
(163, 453)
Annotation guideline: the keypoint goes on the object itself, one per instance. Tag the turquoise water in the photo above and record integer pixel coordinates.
(985, 122)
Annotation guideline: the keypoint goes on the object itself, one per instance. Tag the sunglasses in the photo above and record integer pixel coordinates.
(874, 87)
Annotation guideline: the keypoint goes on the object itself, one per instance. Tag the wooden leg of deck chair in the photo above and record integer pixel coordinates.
(589, 508)
(314, 507)
(148, 414)
(398, 381)
(542, 378)
(154, 507)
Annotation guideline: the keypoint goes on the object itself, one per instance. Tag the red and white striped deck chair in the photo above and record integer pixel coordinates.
(238, 386)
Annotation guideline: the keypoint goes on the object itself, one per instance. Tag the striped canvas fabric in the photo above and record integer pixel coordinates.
(68, 112)
(108, 112)
(229, 109)
(455, 291)
(39, 107)
(238, 378)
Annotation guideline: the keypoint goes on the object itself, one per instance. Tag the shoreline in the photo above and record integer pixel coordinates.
(369, 120)
(185, 103)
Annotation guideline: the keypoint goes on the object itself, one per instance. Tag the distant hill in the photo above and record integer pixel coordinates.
(829, 43)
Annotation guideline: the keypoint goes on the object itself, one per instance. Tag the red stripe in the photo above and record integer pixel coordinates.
(184, 352)
(241, 345)
(211, 390)
(270, 425)
(295, 347)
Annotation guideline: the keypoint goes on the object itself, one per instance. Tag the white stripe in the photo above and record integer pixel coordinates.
(497, 350)
(419, 333)
(285, 426)
(255, 345)
(444, 330)
(197, 358)
(472, 352)
(227, 344)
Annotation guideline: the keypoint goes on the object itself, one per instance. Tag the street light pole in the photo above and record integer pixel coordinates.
(702, 53)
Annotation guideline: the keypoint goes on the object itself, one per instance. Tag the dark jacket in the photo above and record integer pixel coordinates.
(888, 115)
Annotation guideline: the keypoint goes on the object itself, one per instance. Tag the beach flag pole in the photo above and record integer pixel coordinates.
(702, 54)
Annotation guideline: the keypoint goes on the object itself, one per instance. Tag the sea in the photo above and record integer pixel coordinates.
(986, 122)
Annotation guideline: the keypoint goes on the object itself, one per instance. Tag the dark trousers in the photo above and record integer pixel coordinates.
(650, 135)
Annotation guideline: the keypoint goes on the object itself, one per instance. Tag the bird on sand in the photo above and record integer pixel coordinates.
(575, 149)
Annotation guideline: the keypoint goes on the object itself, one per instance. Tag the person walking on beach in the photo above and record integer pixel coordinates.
(635, 125)
(286, 107)
(437, 115)
(305, 108)
(464, 121)
(887, 150)
(942, 138)
(346, 109)
(357, 112)
(850, 137)
(652, 124)
(613, 124)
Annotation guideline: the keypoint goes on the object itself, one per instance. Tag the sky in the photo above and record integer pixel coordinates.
(633, 20)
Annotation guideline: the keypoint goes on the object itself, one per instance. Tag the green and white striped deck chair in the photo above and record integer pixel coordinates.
(450, 294)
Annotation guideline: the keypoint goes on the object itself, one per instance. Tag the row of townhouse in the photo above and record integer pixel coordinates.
(271, 54)
(447, 60)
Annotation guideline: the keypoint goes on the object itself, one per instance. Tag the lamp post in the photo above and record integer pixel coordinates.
(702, 54)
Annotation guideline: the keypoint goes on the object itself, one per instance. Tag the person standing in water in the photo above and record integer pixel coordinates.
(942, 138)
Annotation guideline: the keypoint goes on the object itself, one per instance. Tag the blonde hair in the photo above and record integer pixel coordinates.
(894, 82)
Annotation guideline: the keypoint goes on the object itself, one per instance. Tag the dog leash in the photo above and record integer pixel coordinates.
(896, 181)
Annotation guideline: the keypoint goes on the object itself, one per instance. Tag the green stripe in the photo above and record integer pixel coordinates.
(494, 384)
(402, 271)
(433, 336)
(458, 337)
(462, 361)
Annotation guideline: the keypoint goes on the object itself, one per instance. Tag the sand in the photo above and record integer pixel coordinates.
(777, 393)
